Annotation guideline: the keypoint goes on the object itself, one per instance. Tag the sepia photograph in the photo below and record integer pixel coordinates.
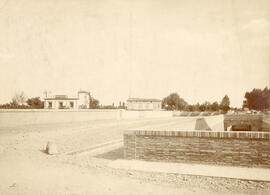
(134, 97)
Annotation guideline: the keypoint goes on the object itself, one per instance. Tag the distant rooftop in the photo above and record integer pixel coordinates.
(143, 100)
(65, 97)
(81, 91)
(60, 97)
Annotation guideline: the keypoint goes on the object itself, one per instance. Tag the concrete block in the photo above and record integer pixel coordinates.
(51, 148)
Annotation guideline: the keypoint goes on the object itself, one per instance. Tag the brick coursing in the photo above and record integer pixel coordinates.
(249, 149)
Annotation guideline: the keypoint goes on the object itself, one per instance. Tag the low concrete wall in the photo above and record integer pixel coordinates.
(216, 123)
(26, 117)
(250, 149)
(266, 123)
(252, 120)
(126, 114)
(18, 117)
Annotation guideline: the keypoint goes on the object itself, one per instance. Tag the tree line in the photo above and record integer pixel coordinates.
(20, 101)
(257, 99)
(94, 104)
(175, 102)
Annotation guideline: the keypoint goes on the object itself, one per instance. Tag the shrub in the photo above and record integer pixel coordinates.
(195, 114)
(184, 113)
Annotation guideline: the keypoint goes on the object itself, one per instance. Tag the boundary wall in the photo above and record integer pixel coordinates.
(256, 122)
(17, 117)
(248, 149)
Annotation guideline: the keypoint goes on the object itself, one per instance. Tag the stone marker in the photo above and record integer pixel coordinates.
(51, 148)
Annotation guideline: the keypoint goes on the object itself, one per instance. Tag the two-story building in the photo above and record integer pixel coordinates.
(64, 102)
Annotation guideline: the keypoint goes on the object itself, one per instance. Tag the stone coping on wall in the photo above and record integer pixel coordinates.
(57, 110)
(243, 116)
(202, 134)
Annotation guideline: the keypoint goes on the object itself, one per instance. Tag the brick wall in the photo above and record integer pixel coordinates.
(250, 149)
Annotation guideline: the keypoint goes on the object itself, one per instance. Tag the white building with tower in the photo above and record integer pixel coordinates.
(82, 101)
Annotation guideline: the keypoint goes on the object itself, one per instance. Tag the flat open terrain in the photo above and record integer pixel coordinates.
(26, 169)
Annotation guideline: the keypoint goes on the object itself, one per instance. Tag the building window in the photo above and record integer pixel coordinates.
(147, 105)
(71, 104)
(61, 105)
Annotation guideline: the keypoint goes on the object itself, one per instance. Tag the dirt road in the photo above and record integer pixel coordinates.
(26, 169)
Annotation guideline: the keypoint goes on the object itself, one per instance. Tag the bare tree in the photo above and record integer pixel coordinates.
(19, 98)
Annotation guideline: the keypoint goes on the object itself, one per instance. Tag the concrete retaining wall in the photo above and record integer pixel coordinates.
(266, 123)
(126, 114)
(42, 116)
(254, 121)
(249, 149)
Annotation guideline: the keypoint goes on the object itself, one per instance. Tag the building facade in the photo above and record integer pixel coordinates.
(83, 99)
(143, 104)
(64, 102)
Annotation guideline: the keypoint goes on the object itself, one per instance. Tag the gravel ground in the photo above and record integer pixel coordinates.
(26, 169)
(213, 184)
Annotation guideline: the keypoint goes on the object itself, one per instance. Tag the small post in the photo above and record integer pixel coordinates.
(51, 148)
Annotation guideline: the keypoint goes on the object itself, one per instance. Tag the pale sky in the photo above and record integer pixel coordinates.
(117, 49)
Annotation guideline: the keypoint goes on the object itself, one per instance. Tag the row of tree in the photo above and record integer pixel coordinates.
(175, 102)
(257, 99)
(19, 101)
(94, 104)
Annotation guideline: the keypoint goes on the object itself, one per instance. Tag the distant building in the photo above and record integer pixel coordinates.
(83, 99)
(65, 102)
(143, 104)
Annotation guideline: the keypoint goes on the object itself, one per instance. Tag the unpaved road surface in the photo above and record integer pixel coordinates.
(26, 169)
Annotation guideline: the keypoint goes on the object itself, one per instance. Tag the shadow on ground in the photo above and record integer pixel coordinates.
(113, 154)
